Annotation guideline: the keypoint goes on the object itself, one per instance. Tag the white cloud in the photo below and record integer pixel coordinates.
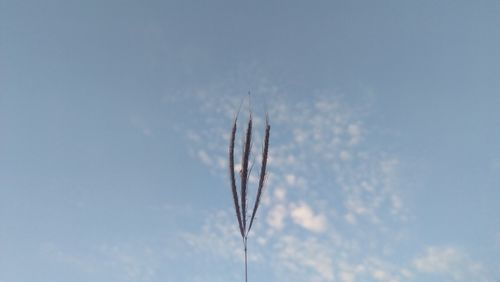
(290, 179)
(350, 218)
(299, 255)
(450, 262)
(347, 276)
(276, 217)
(204, 157)
(303, 215)
(345, 155)
(349, 273)
(280, 194)
(300, 135)
(406, 274)
(354, 131)
(438, 259)
(379, 275)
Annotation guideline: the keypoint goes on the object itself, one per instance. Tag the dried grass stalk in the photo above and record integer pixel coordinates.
(262, 176)
(233, 179)
(241, 213)
(244, 171)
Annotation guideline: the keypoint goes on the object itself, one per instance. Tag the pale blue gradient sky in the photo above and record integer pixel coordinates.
(112, 122)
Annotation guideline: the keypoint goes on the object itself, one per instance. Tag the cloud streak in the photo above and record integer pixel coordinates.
(450, 262)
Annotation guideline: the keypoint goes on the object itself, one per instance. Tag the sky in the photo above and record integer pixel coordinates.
(114, 130)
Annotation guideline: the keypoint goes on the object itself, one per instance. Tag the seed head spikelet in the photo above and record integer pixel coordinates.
(244, 171)
(233, 179)
(263, 174)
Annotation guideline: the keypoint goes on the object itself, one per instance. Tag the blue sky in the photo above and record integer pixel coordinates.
(384, 156)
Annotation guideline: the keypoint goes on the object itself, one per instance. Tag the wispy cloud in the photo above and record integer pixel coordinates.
(218, 236)
(332, 209)
(276, 217)
(303, 215)
(302, 256)
(205, 158)
(322, 177)
(450, 262)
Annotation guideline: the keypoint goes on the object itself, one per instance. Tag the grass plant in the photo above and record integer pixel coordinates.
(240, 203)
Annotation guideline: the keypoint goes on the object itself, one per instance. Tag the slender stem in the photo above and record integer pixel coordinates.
(245, 243)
